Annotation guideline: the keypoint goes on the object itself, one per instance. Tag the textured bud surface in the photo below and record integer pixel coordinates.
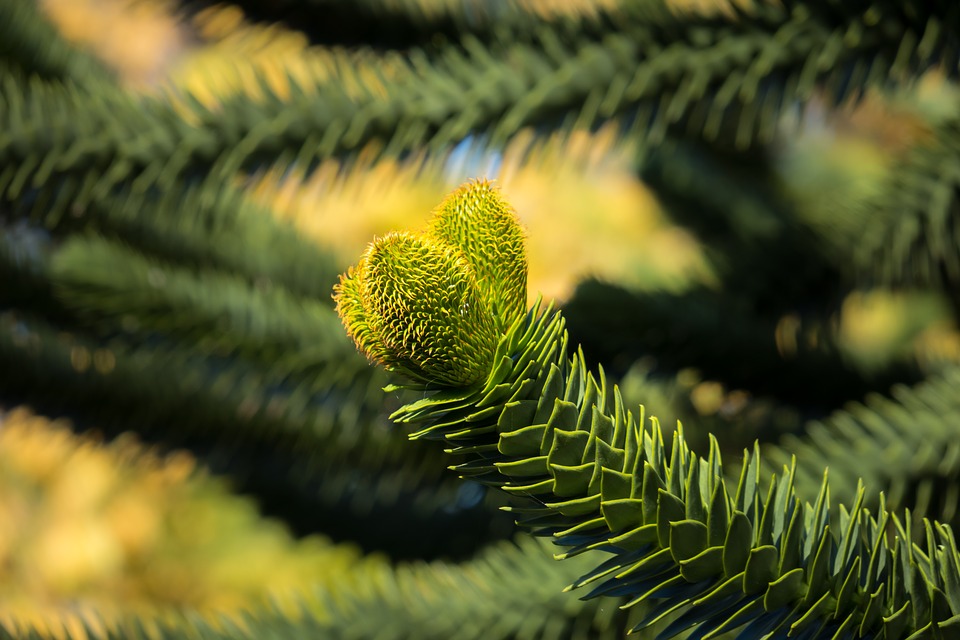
(434, 306)
(483, 225)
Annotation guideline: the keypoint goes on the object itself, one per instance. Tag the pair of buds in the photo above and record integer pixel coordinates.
(434, 306)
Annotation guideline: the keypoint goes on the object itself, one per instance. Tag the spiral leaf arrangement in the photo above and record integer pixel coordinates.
(434, 305)
(535, 422)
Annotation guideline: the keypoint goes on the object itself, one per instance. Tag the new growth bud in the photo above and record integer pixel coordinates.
(434, 306)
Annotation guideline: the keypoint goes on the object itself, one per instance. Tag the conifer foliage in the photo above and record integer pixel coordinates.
(810, 487)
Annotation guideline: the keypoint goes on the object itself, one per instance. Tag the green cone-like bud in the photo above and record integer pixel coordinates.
(413, 305)
(435, 306)
(483, 225)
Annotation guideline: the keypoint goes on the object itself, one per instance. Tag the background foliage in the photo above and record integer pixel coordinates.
(746, 210)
